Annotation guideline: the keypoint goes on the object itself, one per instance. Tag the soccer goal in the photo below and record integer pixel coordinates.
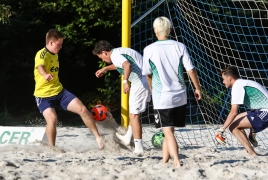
(217, 33)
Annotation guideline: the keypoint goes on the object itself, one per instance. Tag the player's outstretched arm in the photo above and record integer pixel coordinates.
(231, 116)
(101, 71)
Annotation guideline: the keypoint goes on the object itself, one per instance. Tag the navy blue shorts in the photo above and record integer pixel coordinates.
(62, 99)
(258, 120)
(173, 117)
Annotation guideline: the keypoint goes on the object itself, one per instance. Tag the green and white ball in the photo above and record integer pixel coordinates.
(158, 139)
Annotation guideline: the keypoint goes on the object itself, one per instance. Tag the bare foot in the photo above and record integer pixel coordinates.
(100, 142)
(253, 154)
(177, 164)
(166, 159)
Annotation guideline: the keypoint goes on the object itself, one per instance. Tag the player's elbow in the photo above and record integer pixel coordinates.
(191, 71)
(128, 66)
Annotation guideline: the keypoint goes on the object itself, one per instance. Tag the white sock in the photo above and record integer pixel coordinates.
(138, 146)
(127, 137)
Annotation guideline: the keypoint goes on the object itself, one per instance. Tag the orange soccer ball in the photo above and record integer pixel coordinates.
(99, 112)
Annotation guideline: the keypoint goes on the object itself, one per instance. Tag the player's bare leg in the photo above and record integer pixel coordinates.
(137, 132)
(172, 145)
(51, 131)
(136, 126)
(77, 107)
(165, 152)
(244, 132)
(252, 138)
(237, 129)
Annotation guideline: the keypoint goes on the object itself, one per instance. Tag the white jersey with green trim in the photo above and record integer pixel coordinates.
(120, 55)
(250, 93)
(165, 61)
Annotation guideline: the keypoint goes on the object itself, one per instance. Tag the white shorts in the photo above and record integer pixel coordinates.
(138, 98)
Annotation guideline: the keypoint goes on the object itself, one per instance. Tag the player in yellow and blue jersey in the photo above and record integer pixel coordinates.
(50, 93)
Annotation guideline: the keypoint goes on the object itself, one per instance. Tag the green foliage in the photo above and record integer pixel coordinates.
(5, 13)
(111, 93)
(214, 99)
(84, 16)
(83, 22)
(111, 87)
(5, 116)
(108, 95)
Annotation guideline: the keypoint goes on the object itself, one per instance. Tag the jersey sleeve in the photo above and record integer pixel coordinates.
(39, 59)
(118, 60)
(238, 95)
(146, 68)
(187, 63)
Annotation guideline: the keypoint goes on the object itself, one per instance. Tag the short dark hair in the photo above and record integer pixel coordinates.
(231, 71)
(102, 46)
(54, 34)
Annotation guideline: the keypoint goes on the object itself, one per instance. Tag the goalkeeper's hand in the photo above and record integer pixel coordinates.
(220, 137)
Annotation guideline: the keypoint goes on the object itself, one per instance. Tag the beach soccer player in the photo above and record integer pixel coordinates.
(127, 62)
(255, 97)
(163, 63)
(50, 93)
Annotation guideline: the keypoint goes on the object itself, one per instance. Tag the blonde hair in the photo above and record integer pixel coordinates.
(162, 26)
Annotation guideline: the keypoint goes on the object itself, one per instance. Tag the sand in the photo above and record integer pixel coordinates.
(77, 156)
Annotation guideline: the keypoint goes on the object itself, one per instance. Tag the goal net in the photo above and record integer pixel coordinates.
(217, 34)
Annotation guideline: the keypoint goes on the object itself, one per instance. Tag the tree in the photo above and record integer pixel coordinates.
(82, 21)
(5, 13)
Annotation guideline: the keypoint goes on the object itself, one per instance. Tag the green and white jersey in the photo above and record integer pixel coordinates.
(250, 93)
(165, 60)
(120, 55)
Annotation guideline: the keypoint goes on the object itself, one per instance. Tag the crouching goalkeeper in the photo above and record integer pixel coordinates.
(255, 97)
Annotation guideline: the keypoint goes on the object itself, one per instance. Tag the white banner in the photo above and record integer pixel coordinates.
(21, 135)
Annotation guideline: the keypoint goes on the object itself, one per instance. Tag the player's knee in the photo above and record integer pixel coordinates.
(50, 117)
(134, 117)
(232, 127)
(83, 110)
(52, 121)
(168, 133)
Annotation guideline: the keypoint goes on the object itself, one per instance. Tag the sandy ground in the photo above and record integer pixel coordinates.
(76, 156)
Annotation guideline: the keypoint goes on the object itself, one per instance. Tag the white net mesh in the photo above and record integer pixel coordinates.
(217, 34)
